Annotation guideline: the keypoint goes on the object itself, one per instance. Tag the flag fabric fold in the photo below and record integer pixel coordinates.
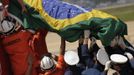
(68, 20)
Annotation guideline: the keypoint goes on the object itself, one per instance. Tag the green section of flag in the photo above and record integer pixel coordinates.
(103, 29)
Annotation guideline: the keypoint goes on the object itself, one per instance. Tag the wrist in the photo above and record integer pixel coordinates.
(85, 41)
(105, 69)
(123, 47)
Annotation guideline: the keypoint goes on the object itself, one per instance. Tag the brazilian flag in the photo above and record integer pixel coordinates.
(68, 20)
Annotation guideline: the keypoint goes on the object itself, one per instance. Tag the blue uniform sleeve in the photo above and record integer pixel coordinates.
(84, 50)
(68, 72)
(103, 73)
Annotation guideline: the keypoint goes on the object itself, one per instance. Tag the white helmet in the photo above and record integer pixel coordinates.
(46, 63)
(102, 56)
(71, 58)
(118, 58)
(6, 26)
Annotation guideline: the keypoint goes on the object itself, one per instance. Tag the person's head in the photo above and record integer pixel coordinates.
(5, 25)
(71, 58)
(47, 64)
(118, 58)
(118, 61)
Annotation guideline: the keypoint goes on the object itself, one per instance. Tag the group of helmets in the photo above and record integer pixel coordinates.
(70, 57)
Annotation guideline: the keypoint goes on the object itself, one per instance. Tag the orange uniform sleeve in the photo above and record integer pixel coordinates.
(61, 63)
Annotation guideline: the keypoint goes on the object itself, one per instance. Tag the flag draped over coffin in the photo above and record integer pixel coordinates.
(68, 20)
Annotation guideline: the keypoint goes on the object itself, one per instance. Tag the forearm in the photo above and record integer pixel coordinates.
(23, 8)
(132, 63)
(62, 46)
(21, 2)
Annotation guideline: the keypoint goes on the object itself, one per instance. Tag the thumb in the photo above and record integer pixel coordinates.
(107, 65)
(129, 55)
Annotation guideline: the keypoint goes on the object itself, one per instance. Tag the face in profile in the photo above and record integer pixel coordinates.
(117, 67)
